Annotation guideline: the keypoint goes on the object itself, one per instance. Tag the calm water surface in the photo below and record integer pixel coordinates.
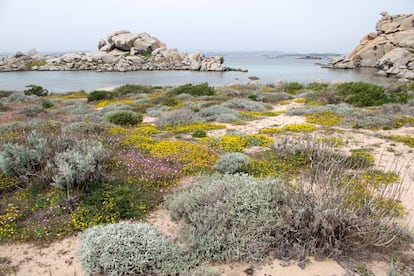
(267, 67)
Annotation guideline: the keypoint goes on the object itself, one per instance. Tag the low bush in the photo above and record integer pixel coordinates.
(79, 166)
(218, 113)
(98, 95)
(237, 143)
(194, 127)
(362, 94)
(47, 104)
(232, 163)
(244, 104)
(293, 87)
(132, 89)
(36, 90)
(126, 249)
(317, 86)
(199, 133)
(177, 117)
(315, 215)
(324, 118)
(202, 89)
(125, 118)
(299, 128)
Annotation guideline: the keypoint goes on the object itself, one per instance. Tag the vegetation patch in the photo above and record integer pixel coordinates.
(194, 127)
(405, 139)
(237, 143)
(326, 118)
(202, 89)
(125, 118)
(299, 128)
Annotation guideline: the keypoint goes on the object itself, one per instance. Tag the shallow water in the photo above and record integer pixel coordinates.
(267, 67)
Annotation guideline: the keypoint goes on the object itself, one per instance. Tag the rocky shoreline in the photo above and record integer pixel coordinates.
(123, 51)
(390, 49)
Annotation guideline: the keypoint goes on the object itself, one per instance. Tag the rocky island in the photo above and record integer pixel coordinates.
(123, 51)
(390, 48)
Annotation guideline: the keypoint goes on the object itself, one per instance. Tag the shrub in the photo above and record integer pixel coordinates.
(132, 89)
(169, 101)
(362, 158)
(219, 113)
(36, 90)
(293, 87)
(194, 127)
(26, 160)
(199, 133)
(238, 223)
(275, 97)
(98, 95)
(405, 139)
(362, 94)
(126, 249)
(201, 89)
(244, 105)
(237, 143)
(178, 117)
(47, 104)
(232, 163)
(241, 218)
(317, 86)
(193, 157)
(299, 127)
(324, 118)
(125, 118)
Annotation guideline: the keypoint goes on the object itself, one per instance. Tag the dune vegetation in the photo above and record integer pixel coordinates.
(280, 173)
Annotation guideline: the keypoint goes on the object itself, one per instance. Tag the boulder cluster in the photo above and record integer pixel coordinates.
(122, 51)
(390, 49)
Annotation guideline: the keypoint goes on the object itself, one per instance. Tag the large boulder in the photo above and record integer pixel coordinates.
(388, 49)
(124, 41)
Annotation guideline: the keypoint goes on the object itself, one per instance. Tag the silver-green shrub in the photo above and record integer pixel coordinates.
(229, 217)
(80, 165)
(129, 249)
(178, 117)
(218, 113)
(232, 163)
(244, 104)
(25, 160)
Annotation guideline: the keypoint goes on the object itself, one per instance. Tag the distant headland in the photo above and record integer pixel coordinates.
(123, 51)
(390, 49)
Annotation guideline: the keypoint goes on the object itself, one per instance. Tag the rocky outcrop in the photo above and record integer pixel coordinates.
(122, 51)
(390, 49)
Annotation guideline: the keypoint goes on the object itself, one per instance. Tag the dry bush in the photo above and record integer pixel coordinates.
(324, 213)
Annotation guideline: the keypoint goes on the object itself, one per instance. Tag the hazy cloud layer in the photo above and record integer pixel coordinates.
(292, 26)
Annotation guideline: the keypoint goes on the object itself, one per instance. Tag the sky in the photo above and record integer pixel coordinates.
(300, 26)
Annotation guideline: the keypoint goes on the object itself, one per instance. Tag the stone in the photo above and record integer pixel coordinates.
(388, 49)
(124, 41)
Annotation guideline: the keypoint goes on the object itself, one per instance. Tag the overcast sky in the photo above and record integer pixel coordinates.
(292, 26)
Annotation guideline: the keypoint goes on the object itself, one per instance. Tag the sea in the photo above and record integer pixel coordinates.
(268, 67)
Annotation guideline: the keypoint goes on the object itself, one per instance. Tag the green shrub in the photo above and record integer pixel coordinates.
(317, 86)
(201, 89)
(79, 166)
(199, 133)
(244, 105)
(129, 249)
(125, 118)
(362, 94)
(232, 163)
(36, 90)
(178, 117)
(98, 95)
(293, 87)
(169, 101)
(132, 89)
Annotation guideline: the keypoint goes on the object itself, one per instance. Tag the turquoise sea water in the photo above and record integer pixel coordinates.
(267, 66)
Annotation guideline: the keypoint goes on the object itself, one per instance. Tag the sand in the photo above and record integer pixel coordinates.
(61, 258)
